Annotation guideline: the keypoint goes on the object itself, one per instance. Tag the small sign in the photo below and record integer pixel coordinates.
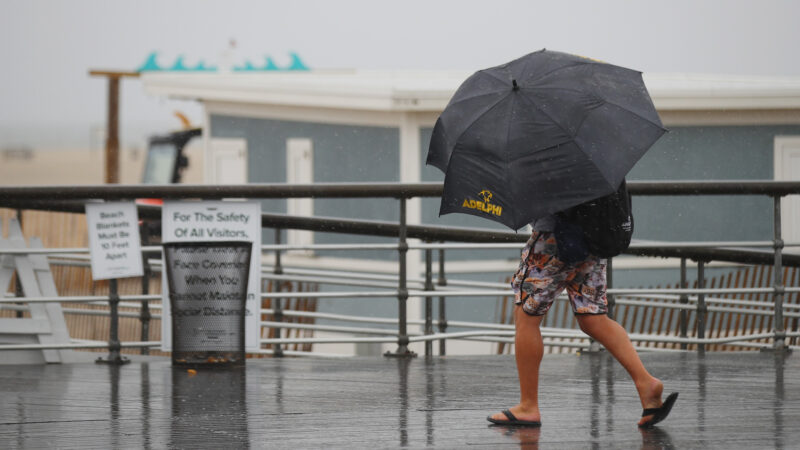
(114, 243)
(189, 221)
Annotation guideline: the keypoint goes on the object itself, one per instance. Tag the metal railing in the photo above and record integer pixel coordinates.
(70, 199)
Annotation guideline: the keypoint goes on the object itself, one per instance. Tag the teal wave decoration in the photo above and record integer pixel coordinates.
(271, 64)
(297, 63)
(178, 66)
(151, 64)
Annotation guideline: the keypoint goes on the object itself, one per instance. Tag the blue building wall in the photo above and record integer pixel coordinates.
(708, 153)
(342, 153)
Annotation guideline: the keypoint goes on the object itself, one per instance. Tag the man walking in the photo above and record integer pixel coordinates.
(541, 277)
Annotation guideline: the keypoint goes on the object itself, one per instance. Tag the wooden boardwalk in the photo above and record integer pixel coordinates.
(727, 401)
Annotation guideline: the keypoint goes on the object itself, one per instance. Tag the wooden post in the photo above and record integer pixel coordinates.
(112, 122)
(112, 132)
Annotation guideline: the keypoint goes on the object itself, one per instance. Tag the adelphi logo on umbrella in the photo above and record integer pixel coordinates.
(485, 205)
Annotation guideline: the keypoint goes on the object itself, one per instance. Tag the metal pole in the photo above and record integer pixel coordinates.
(778, 343)
(402, 289)
(702, 309)
(144, 313)
(428, 300)
(18, 292)
(114, 346)
(442, 281)
(278, 303)
(683, 315)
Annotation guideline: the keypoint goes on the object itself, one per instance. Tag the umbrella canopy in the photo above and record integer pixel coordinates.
(540, 134)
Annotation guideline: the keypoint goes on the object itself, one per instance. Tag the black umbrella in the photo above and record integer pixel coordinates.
(540, 134)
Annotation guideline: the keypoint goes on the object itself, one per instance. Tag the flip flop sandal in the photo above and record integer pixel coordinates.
(513, 421)
(659, 413)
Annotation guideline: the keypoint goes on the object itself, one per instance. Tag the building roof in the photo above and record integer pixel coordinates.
(431, 90)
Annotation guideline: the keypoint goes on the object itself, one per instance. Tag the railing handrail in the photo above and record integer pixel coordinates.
(72, 198)
(444, 233)
(359, 190)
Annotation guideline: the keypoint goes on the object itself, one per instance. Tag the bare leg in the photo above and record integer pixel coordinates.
(528, 351)
(615, 339)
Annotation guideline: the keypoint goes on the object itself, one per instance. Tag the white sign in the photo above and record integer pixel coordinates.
(114, 240)
(216, 221)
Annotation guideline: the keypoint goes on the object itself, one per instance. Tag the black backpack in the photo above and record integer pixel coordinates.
(606, 222)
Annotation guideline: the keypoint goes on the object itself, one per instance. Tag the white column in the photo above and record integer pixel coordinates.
(410, 173)
(787, 168)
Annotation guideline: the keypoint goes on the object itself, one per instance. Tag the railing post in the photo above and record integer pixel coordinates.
(442, 281)
(402, 288)
(778, 342)
(428, 300)
(17, 281)
(277, 303)
(114, 346)
(702, 309)
(683, 315)
(144, 311)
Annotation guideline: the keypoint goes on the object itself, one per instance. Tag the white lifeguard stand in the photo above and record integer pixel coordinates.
(46, 324)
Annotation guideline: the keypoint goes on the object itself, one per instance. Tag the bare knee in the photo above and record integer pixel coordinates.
(592, 323)
(523, 318)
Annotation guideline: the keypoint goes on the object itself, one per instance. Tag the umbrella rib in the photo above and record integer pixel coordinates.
(478, 95)
(552, 88)
(635, 113)
(550, 117)
(480, 116)
(603, 175)
(564, 130)
(486, 71)
(509, 185)
(575, 64)
(534, 88)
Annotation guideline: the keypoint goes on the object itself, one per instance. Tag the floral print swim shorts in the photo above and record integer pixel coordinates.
(541, 277)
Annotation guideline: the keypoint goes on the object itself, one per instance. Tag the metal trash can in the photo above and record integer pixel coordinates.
(207, 294)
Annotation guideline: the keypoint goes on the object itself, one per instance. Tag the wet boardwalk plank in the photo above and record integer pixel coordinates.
(727, 401)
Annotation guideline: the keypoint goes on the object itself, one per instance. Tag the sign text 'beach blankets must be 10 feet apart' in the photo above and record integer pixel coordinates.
(216, 221)
(114, 240)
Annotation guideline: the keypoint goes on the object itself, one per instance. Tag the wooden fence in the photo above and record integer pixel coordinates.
(647, 319)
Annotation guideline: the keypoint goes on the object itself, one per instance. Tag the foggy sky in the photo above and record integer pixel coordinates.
(47, 98)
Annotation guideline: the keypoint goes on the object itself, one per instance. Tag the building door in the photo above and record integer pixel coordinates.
(228, 163)
(787, 168)
(300, 170)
